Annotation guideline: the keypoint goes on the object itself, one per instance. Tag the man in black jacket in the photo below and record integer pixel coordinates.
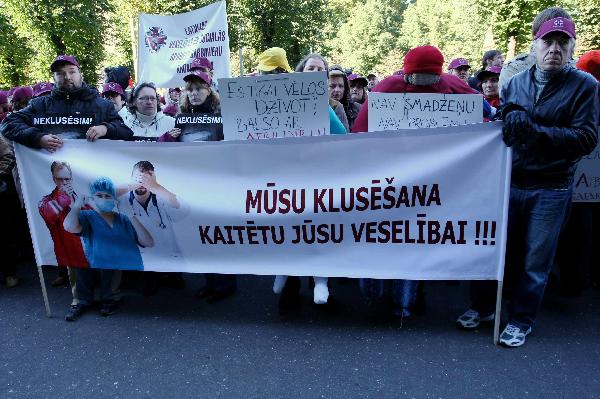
(550, 115)
(72, 110)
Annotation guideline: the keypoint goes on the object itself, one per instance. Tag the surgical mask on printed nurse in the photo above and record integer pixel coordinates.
(104, 205)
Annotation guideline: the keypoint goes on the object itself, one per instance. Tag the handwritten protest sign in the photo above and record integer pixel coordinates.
(393, 111)
(275, 106)
(587, 178)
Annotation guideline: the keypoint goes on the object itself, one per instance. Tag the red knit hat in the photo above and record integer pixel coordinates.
(423, 59)
(590, 62)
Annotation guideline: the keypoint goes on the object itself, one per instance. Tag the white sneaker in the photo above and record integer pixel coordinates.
(471, 319)
(513, 336)
(279, 283)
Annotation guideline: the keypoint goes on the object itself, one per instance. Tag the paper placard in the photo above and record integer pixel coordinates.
(275, 106)
(393, 111)
(586, 187)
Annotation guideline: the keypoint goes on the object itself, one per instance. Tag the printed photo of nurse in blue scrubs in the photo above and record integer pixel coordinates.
(111, 240)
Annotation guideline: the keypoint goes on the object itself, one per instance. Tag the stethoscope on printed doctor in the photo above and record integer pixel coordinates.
(140, 214)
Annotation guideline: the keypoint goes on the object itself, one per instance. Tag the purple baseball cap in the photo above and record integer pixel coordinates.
(559, 24)
(11, 91)
(3, 97)
(63, 59)
(41, 88)
(458, 62)
(22, 93)
(112, 87)
(489, 71)
(170, 110)
(201, 62)
(358, 79)
(198, 74)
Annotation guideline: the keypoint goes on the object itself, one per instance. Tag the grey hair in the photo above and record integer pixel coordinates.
(303, 61)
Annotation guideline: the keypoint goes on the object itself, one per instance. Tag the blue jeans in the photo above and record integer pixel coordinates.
(535, 219)
(403, 292)
(87, 279)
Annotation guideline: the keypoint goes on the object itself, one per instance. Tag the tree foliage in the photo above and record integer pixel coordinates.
(367, 35)
(455, 27)
(13, 58)
(370, 33)
(53, 27)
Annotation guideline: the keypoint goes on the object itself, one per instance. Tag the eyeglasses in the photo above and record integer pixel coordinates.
(147, 99)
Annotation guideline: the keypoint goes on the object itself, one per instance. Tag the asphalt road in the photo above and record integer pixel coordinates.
(172, 345)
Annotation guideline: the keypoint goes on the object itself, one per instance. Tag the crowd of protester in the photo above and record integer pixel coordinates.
(547, 100)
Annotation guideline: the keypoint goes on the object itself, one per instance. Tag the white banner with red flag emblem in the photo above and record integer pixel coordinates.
(167, 44)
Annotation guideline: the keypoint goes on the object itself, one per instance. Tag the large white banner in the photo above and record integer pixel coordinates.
(275, 106)
(587, 178)
(392, 111)
(416, 204)
(167, 44)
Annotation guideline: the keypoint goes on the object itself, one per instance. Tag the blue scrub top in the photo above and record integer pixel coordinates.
(110, 248)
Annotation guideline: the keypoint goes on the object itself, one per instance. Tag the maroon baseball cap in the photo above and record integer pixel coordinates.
(112, 87)
(170, 110)
(200, 75)
(458, 62)
(201, 62)
(22, 93)
(559, 24)
(41, 88)
(63, 59)
(358, 79)
(489, 71)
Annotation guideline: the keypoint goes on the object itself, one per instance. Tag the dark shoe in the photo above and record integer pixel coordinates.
(203, 292)
(150, 286)
(75, 312)
(107, 309)
(290, 296)
(59, 281)
(216, 296)
(175, 281)
(11, 281)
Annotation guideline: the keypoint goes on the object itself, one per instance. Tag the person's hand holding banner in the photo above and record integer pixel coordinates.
(517, 125)
(96, 132)
(50, 142)
(175, 132)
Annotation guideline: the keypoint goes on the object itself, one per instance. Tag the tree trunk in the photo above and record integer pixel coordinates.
(512, 48)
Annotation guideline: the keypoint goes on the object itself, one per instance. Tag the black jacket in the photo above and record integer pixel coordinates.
(565, 125)
(19, 127)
